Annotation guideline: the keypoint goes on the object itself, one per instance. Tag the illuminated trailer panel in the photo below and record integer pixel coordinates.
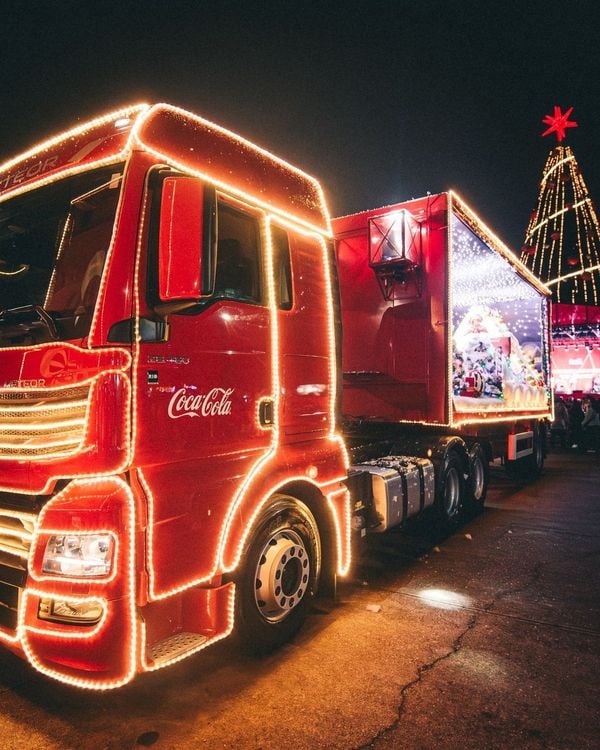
(441, 323)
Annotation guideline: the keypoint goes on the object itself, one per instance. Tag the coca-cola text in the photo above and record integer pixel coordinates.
(214, 403)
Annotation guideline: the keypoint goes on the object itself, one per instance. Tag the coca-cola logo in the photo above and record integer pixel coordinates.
(214, 403)
(58, 362)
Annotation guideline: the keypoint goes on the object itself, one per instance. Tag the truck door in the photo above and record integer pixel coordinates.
(198, 392)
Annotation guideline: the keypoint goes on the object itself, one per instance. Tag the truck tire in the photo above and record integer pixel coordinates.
(479, 478)
(534, 464)
(279, 575)
(450, 495)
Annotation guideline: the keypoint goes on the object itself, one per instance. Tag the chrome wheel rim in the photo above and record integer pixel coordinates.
(282, 575)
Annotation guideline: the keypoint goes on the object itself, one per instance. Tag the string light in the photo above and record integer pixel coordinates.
(149, 666)
(10, 188)
(266, 477)
(75, 444)
(273, 471)
(312, 197)
(562, 240)
(28, 635)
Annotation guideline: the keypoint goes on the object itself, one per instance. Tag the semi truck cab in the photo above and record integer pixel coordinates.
(169, 453)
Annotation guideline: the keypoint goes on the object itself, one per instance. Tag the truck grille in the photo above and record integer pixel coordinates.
(16, 531)
(42, 423)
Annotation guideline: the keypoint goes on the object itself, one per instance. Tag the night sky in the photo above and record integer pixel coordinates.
(382, 101)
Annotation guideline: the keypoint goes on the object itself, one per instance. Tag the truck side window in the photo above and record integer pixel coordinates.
(281, 267)
(238, 259)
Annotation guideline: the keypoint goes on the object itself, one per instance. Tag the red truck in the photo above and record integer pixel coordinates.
(191, 424)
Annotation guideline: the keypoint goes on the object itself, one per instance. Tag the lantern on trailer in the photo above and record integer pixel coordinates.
(395, 253)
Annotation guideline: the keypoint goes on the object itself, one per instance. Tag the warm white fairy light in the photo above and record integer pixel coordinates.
(201, 645)
(230, 186)
(559, 212)
(105, 271)
(228, 552)
(555, 166)
(24, 628)
(537, 412)
(563, 232)
(449, 307)
(36, 181)
(61, 245)
(572, 275)
(342, 531)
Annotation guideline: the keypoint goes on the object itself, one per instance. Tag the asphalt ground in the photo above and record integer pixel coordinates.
(489, 638)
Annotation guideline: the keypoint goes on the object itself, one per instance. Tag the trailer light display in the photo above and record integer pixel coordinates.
(498, 334)
(499, 330)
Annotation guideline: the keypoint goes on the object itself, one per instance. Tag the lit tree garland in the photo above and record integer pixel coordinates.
(562, 242)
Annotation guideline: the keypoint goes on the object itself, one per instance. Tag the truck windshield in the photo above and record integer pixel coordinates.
(53, 244)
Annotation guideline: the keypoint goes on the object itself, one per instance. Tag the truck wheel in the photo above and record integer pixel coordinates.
(279, 575)
(479, 478)
(534, 464)
(451, 491)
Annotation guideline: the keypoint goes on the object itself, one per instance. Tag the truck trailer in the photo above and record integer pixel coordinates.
(202, 396)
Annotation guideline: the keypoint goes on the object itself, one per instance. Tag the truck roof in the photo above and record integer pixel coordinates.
(182, 140)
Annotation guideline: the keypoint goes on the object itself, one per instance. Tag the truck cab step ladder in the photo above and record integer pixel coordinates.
(174, 646)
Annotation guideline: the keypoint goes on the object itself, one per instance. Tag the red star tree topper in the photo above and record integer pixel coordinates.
(559, 122)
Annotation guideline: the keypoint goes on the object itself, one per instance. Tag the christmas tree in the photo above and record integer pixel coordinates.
(562, 242)
(562, 247)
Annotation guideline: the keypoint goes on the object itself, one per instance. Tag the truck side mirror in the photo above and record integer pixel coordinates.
(180, 238)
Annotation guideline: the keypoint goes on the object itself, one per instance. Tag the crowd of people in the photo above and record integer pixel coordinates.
(576, 424)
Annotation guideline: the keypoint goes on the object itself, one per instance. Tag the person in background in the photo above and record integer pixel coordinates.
(590, 426)
(576, 416)
(559, 428)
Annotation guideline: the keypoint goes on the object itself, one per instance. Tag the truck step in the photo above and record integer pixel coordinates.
(174, 646)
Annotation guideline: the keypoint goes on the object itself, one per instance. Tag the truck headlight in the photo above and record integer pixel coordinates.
(79, 555)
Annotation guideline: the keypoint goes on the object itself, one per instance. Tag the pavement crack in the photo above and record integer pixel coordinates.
(422, 671)
(455, 647)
